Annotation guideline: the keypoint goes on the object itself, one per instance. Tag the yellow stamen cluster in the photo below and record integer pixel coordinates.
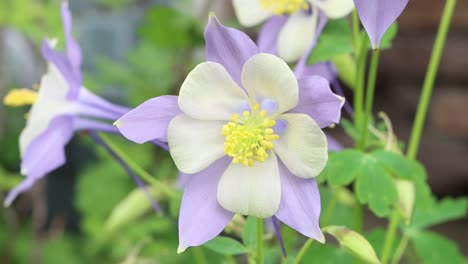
(284, 7)
(249, 137)
(20, 97)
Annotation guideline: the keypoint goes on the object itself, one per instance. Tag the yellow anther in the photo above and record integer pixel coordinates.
(20, 97)
(284, 7)
(249, 137)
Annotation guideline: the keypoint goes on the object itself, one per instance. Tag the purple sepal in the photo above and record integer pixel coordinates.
(228, 47)
(300, 204)
(201, 217)
(44, 154)
(318, 101)
(377, 16)
(149, 121)
(268, 36)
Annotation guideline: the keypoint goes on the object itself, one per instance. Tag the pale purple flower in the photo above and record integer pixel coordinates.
(289, 113)
(63, 106)
(377, 16)
(291, 24)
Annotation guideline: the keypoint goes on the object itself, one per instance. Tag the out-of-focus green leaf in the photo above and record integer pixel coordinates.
(447, 209)
(166, 27)
(346, 68)
(336, 39)
(433, 248)
(133, 206)
(61, 250)
(374, 186)
(387, 39)
(353, 242)
(226, 245)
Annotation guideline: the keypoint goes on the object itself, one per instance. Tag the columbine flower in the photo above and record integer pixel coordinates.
(377, 16)
(292, 24)
(250, 136)
(60, 107)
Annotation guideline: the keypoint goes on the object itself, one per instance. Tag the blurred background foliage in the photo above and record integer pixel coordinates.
(90, 211)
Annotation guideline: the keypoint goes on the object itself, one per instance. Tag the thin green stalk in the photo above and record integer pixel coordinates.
(400, 249)
(369, 95)
(390, 236)
(326, 219)
(356, 28)
(430, 78)
(260, 257)
(357, 221)
(137, 169)
(359, 86)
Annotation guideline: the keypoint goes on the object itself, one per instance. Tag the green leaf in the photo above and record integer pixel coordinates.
(344, 166)
(433, 248)
(226, 245)
(336, 39)
(397, 164)
(440, 212)
(374, 186)
(249, 233)
(354, 243)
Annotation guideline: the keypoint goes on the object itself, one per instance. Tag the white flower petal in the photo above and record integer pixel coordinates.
(334, 8)
(209, 93)
(303, 146)
(253, 190)
(50, 103)
(194, 144)
(266, 76)
(297, 35)
(250, 12)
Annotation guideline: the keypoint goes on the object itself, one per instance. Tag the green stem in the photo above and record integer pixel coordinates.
(356, 28)
(327, 216)
(400, 249)
(260, 258)
(369, 95)
(359, 82)
(390, 236)
(137, 168)
(430, 78)
(357, 222)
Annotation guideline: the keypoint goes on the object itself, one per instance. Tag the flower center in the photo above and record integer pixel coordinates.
(249, 137)
(284, 7)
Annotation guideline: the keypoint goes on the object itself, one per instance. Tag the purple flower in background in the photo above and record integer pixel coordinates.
(60, 107)
(291, 25)
(250, 138)
(377, 16)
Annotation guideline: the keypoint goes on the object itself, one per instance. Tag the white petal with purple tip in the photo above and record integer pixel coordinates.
(303, 146)
(250, 12)
(266, 76)
(253, 190)
(194, 144)
(297, 35)
(209, 93)
(334, 8)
